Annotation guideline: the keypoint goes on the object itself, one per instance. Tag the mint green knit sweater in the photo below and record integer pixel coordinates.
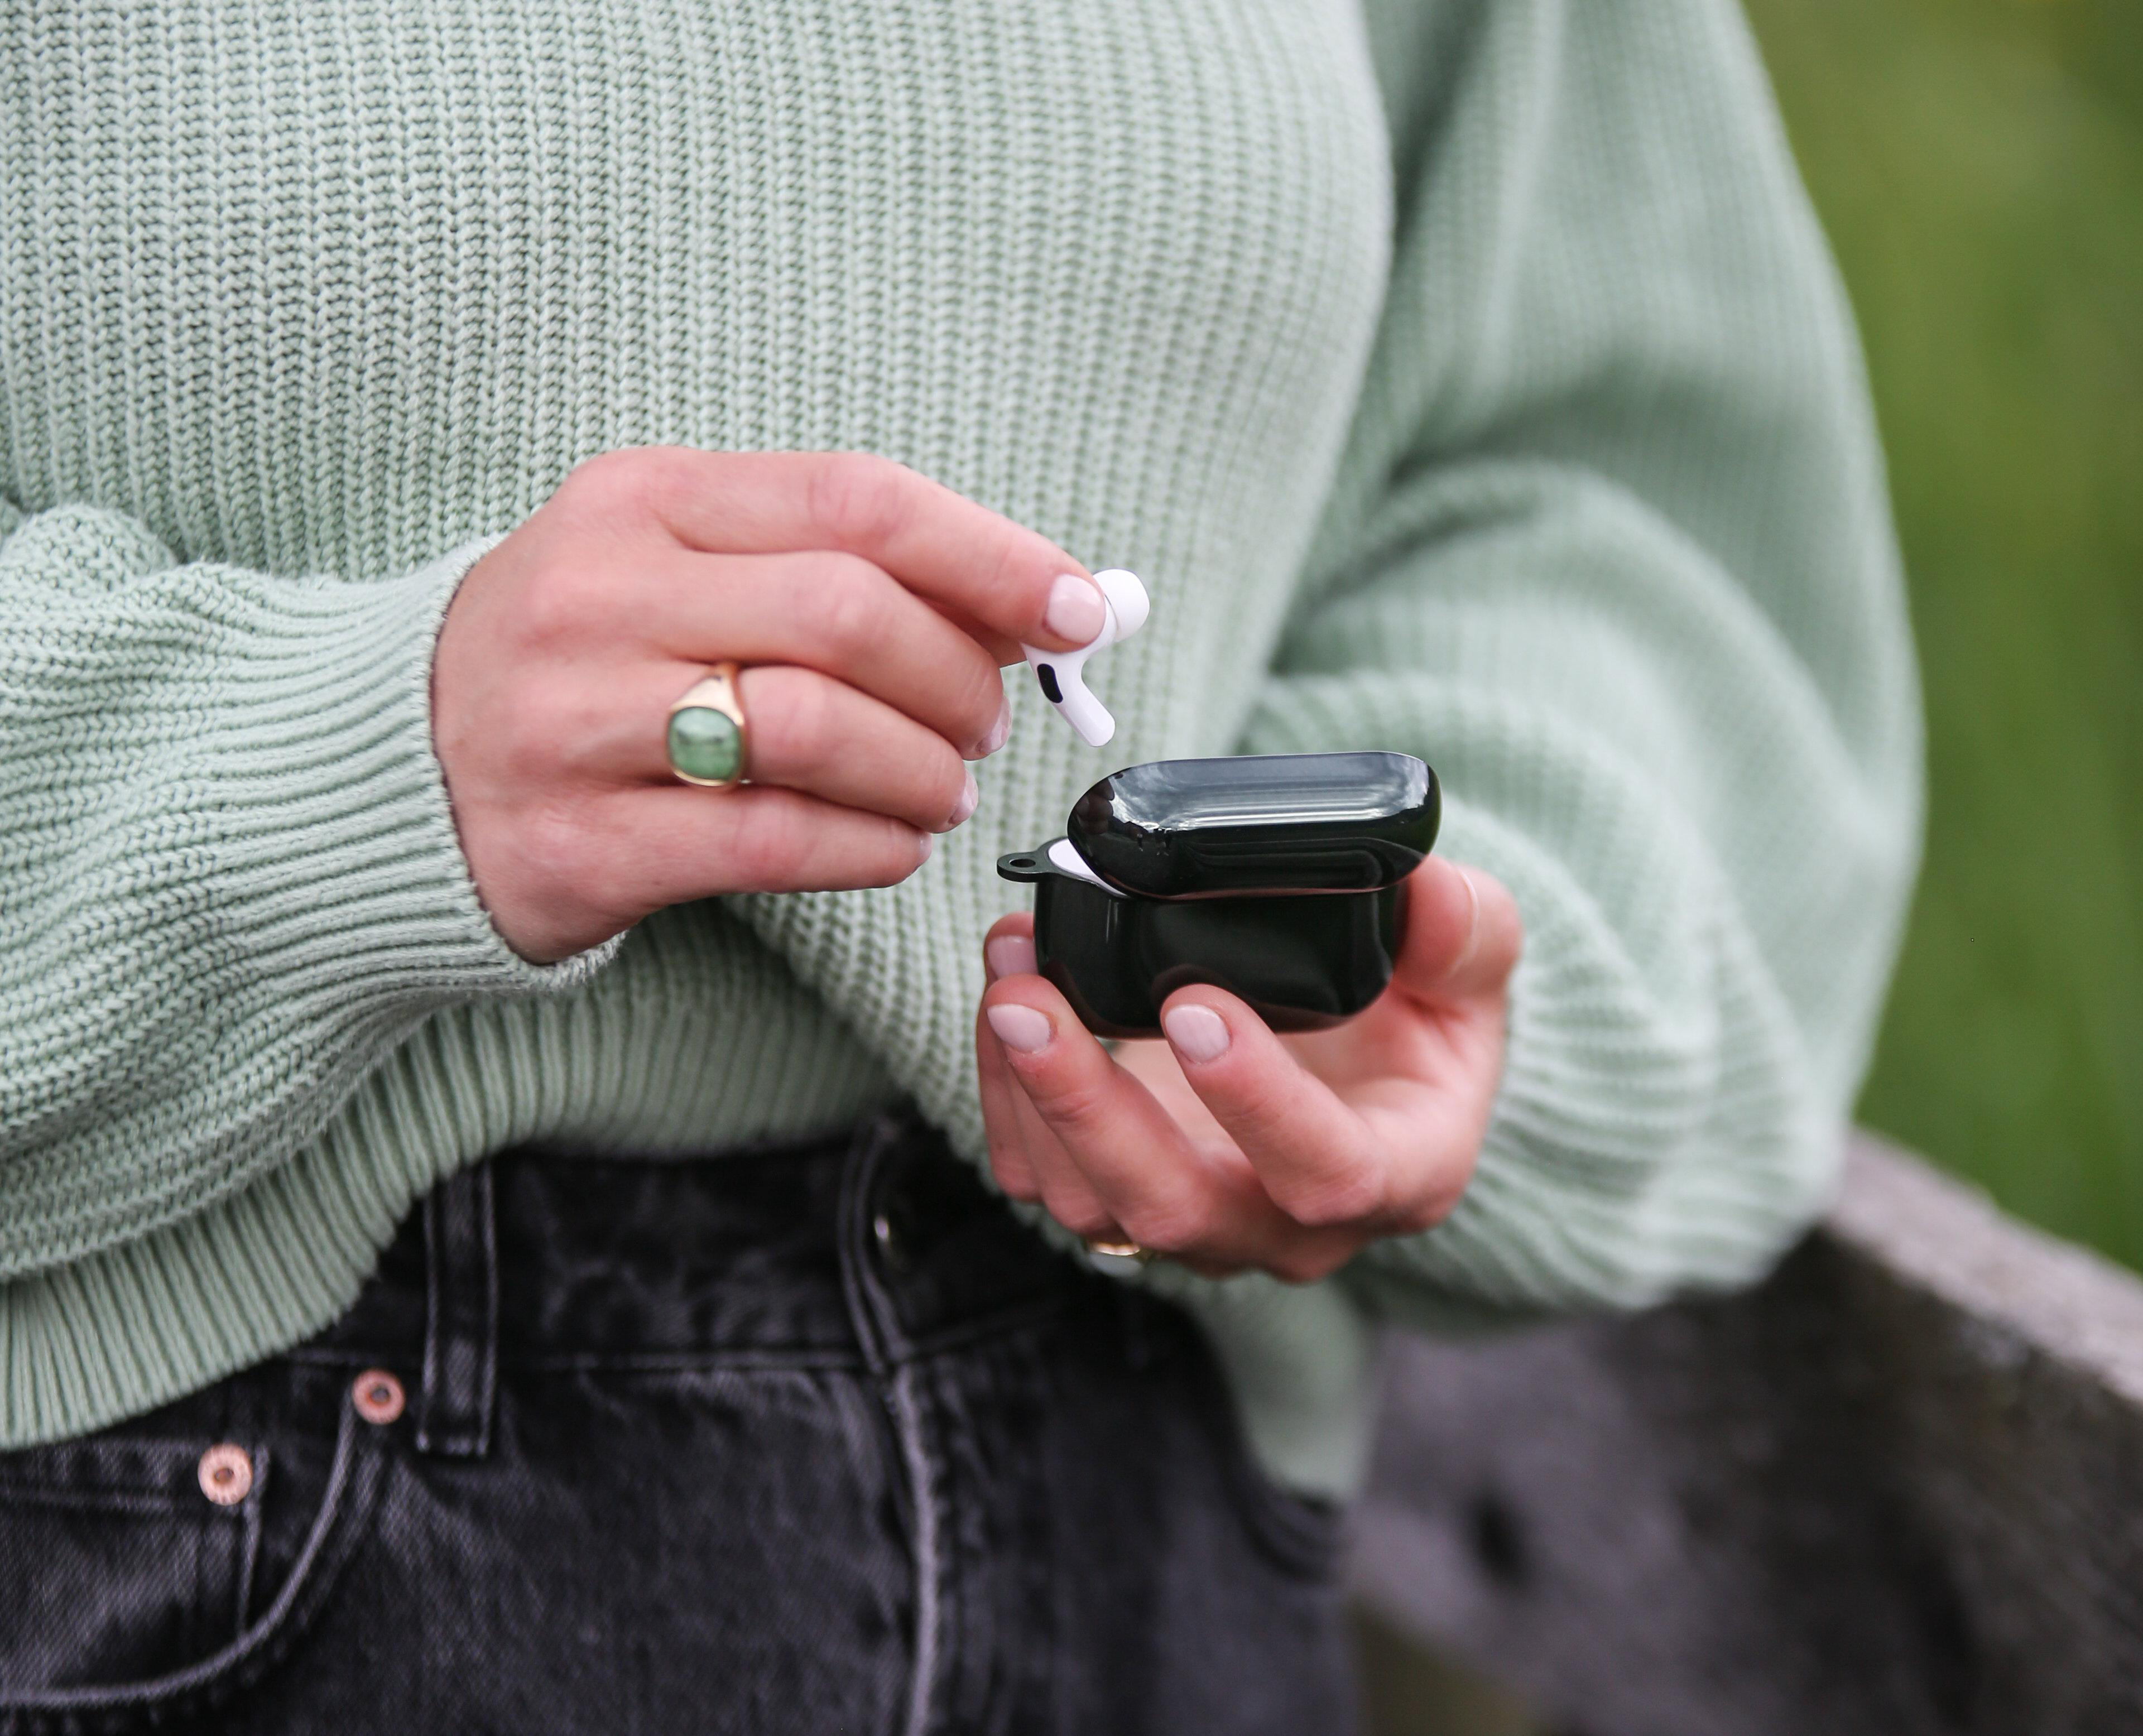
(1467, 378)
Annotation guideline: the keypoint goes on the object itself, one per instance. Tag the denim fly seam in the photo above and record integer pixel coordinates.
(885, 1352)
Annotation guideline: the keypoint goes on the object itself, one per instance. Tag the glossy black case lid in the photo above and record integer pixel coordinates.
(1258, 822)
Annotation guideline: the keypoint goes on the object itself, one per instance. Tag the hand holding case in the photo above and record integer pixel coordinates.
(1280, 877)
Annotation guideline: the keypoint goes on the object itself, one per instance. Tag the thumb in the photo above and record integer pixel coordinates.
(1463, 937)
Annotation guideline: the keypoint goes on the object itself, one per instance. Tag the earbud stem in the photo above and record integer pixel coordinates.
(1088, 716)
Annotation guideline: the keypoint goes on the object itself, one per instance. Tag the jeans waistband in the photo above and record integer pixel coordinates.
(870, 1246)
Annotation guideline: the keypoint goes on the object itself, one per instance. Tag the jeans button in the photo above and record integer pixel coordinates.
(378, 1397)
(225, 1472)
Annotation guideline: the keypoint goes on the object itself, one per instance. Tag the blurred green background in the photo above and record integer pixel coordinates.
(1979, 166)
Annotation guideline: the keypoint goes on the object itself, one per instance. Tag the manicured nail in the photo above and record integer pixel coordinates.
(970, 794)
(1020, 1027)
(1010, 955)
(1000, 731)
(1075, 611)
(1197, 1033)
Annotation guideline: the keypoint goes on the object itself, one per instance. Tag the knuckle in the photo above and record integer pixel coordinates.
(770, 851)
(857, 499)
(524, 730)
(1429, 1206)
(1170, 1225)
(1414, 1219)
(1009, 570)
(561, 842)
(1013, 1179)
(623, 480)
(1078, 1212)
(1305, 1265)
(977, 692)
(1267, 1101)
(897, 860)
(785, 844)
(940, 777)
(795, 724)
(558, 605)
(589, 481)
(1075, 1106)
(1349, 1193)
(632, 489)
(846, 605)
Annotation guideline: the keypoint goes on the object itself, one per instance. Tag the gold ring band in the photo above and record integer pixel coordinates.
(708, 740)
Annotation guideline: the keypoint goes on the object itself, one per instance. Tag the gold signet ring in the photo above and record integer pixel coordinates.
(709, 740)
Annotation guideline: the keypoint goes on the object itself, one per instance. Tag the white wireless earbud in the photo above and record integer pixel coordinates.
(1061, 674)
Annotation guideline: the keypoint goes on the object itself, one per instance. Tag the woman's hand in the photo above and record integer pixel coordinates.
(875, 608)
(1228, 1146)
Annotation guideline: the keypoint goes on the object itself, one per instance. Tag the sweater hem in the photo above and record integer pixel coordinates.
(131, 1327)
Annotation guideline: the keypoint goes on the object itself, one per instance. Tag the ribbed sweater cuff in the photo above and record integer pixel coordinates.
(339, 855)
(269, 896)
(1635, 1149)
(1652, 1131)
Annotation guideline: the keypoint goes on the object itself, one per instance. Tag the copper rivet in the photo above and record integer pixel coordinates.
(377, 1396)
(226, 1474)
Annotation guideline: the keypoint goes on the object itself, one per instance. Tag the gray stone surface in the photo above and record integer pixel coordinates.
(1898, 1488)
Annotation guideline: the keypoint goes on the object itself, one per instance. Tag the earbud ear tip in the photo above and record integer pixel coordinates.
(1127, 597)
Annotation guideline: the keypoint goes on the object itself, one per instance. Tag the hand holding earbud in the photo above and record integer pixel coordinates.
(872, 611)
(1061, 674)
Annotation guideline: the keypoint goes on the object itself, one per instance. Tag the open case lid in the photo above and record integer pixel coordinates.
(1257, 823)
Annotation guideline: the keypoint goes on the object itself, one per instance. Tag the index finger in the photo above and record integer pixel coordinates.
(1167, 1192)
(1013, 584)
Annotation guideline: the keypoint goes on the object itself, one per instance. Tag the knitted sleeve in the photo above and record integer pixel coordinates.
(230, 883)
(1609, 549)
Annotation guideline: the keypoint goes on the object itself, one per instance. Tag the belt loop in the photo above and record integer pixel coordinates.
(871, 1312)
(461, 1317)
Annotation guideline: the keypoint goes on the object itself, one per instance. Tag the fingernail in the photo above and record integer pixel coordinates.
(1010, 955)
(1075, 611)
(970, 794)
(1472, 922)
(1000, 731)
(1197, 1033)
(922, 855)
(1020, 1027)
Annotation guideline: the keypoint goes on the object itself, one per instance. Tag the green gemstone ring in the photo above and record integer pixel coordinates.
(708, 740)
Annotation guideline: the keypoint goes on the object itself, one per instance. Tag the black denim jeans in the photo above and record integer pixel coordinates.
(807, 1438)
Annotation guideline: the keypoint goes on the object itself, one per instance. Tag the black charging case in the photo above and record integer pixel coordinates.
(1280, 878)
